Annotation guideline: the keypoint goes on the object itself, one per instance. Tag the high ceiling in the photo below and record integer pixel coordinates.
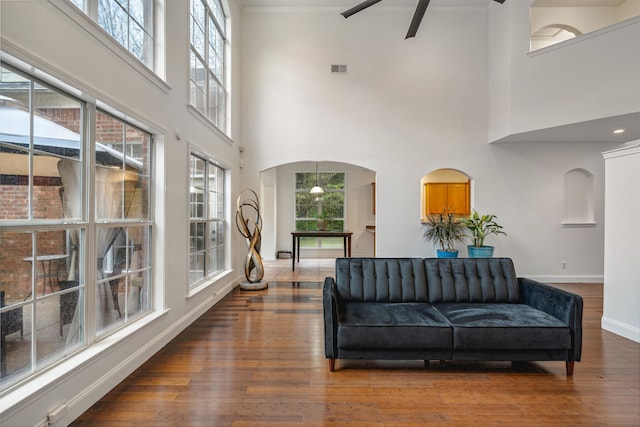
(411, 3)
(577, 3)
(349, 3)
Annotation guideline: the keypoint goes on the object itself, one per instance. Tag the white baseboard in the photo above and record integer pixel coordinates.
(622, 329)
(565, 279)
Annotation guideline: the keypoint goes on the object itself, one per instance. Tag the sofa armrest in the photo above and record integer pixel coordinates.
(330, 307)
(563, 305)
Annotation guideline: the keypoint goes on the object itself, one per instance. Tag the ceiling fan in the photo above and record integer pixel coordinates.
(417, 16)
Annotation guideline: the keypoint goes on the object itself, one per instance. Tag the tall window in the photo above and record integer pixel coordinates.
(129, 22)
(208, 39)
(123, 230)
(325, 211)
(207, 228)
(45, 231)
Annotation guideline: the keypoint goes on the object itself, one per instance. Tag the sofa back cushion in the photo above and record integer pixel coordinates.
(381, 279)
(433, 280)
(471, 280)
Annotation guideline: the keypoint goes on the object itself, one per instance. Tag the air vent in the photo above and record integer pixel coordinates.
(335, 68)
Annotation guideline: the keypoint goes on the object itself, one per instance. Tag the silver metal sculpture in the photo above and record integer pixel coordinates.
(249, 223)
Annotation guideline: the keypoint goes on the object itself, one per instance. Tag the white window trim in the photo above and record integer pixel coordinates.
(195, 288)
(208, 123)
(226, 134)
(93, 29)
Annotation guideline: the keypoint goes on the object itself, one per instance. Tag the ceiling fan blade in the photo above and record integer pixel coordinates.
(499, 1)
(417, 18)
(359, 7)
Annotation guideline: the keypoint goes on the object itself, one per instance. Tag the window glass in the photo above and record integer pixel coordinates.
(44, 229)
(324, 211)
(123, 265)
(38, 133)
(208, 90)
(207, 240)
(122, 190)
(129, 22)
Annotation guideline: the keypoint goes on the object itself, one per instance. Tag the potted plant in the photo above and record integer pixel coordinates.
(323, 220)
(444, 230)
(480, 227)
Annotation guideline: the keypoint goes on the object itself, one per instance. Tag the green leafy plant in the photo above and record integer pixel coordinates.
(443, 230)
(480, 227)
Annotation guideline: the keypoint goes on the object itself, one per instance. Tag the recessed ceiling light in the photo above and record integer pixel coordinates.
(618, 131)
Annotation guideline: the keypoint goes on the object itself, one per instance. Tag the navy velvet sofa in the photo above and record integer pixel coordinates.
(471, 309)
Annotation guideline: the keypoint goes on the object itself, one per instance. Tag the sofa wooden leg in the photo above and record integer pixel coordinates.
(427, 364)
(570, 365)
(332, 365)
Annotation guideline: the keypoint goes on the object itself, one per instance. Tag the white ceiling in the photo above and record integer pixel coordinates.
(577, 3)
(396, 3)
(599, 130)
(350, 3)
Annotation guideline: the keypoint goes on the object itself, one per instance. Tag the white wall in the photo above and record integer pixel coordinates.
(404, 109)
(628, 9)
(621, 277)
(42, 34)
(592, 77)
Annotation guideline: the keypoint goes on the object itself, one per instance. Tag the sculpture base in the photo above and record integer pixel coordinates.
(257, 286)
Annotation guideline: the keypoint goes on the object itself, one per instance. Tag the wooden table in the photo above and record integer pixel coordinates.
(296, 235)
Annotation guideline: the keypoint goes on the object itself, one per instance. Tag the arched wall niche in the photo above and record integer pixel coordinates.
(552, 34)
(553, 21)
(578, 198)
(445, 190)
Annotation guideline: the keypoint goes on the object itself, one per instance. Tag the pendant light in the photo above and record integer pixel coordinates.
(317, 189)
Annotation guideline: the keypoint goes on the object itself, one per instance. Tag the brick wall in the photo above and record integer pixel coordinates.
(15, 273)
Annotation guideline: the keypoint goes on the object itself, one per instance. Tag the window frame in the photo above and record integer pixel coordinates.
(199, 277)
(85, 224)
(91, 8)
(318, 242)
(202, 87)
(154, 73)
(127, 225)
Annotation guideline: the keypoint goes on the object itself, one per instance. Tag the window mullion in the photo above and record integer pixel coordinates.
(34, 305)
(207, 88)
(89, 194)
(32, 144)
(92, 9)
(205, 210)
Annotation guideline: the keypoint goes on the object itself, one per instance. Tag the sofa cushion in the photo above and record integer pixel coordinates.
(471, 280)
(393, 326)
(381, 279)
(504, 326)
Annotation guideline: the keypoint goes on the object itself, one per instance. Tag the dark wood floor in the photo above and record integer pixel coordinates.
(257, 359)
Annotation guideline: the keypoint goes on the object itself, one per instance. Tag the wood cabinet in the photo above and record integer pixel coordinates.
(445, 197)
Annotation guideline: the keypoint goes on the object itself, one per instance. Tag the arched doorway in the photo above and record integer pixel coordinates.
(288, 206)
